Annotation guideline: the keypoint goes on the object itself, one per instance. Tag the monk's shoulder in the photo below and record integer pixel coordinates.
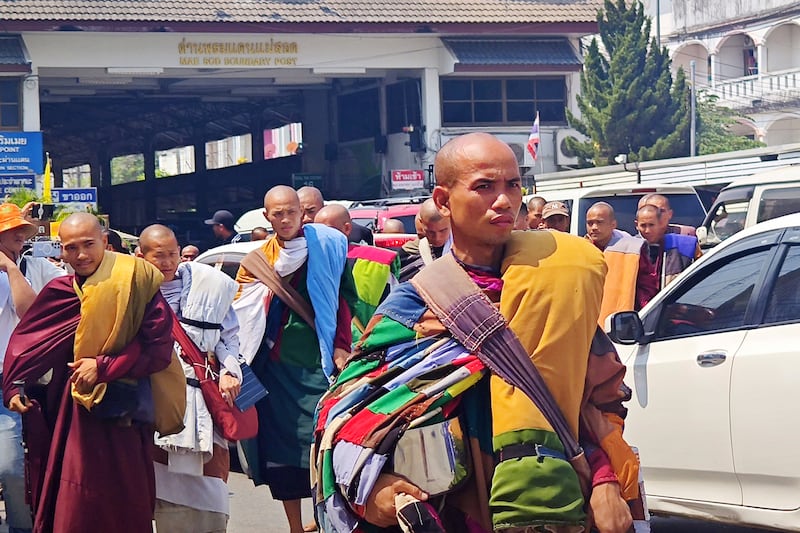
(537, 246)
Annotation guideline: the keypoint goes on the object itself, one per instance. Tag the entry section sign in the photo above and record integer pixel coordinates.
(21, 152)
(10, 183)
(408, 180)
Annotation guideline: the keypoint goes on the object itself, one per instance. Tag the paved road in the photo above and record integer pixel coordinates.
(254, 511)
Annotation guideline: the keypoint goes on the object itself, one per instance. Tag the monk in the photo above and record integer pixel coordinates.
(102, 332)
(292, 349)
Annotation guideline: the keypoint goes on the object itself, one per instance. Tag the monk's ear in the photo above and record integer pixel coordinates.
(441, 197)
(348, 227)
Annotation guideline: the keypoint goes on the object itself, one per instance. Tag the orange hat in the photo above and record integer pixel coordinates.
(11, 218)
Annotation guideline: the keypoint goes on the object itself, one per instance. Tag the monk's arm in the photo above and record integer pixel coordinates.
(149, 352)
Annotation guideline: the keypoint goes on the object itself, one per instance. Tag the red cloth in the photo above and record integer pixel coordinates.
(647, 280)
(86, 473)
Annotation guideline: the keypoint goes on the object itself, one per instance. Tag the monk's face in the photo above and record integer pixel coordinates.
(650, 227)
(162, 252)
(283, 211)
(600, 226)
(484, 199)
(437, 232)
(82, 247)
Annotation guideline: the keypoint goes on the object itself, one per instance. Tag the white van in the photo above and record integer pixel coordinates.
(686, 204)
(751, 200)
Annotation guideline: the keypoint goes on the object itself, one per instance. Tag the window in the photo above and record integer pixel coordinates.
(283, 141)
(10, 104)
(175, 161)
(359, 115)
(784, 302)
(503, 101)
(77, 177)
(229, 152)
(127, 168)
(402, 105)
(778, 202)
(716, 300)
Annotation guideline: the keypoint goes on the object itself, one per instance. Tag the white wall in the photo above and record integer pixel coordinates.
(783, 46)
(696, 14)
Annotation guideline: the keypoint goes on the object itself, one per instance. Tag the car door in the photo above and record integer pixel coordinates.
(765, 391)
(679, 414)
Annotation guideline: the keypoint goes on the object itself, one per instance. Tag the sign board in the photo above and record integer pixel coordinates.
(21, 152)
(306, 180)
(10, 183)
(408, 180)
(84, 196)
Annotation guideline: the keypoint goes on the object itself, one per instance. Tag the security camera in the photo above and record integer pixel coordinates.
(621, 159)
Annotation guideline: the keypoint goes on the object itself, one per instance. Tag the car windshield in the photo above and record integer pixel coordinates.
(686, 208)
(728, 215)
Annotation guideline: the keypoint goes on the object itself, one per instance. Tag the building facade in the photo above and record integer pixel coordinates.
(747, 53)
(176, 108)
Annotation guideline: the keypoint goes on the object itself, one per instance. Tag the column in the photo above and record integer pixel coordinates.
(31, 118)
(760, 60)
(713, 67)
(151, 191)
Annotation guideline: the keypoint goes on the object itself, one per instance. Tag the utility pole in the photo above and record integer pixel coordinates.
(693, 131)
(658, 23)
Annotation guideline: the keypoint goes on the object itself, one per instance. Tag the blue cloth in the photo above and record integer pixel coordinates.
(404, 305)
(327, 255)
(685, 244)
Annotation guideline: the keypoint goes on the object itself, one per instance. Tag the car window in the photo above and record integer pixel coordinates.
(228, 263)
(778, 202)
(687, 210)
(728, 218)
(717, 298)
(784, 301)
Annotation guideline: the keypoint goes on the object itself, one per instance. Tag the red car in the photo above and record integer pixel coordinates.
(374, 214)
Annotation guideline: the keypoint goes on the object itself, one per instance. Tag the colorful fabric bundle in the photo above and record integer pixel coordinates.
(363, 415)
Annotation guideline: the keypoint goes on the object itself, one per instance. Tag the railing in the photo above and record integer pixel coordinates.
(752, 91)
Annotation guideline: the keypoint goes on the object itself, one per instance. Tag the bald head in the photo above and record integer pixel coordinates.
(335, 216)
(429, 213)
(392, 225)
(649, 222)
(535, 208)
(83, 244)
(600, 224)
(282, 210)
(311, 202)
(154, 234)
(188, 252)
(658, 200)
(603, 208)
(464, 154)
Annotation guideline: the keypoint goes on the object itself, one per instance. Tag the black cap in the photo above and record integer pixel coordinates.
(222, 217)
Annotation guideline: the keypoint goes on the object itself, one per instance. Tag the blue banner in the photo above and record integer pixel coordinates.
(68, 196)
(9, 183)
(21, 152)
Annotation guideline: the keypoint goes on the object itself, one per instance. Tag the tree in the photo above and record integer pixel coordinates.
(629, 102)
(714, 127)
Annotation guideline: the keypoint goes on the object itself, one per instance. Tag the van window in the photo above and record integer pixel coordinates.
(687, 209)
(778, 202)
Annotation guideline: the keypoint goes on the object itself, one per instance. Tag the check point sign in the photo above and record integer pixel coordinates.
(408, 180)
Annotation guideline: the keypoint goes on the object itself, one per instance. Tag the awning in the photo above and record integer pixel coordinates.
(12, 55)
(475, 55)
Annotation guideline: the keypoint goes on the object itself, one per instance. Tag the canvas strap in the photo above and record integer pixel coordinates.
(472, 319)
(256, 263)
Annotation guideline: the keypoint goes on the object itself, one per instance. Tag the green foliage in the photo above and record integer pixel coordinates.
(713, 127)
(22, 196)
(629, 102)
(127, 168)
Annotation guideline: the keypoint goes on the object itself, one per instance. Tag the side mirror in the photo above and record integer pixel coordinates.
(626, 328)
(702, 235)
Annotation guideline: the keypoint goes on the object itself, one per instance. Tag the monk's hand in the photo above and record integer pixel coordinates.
(27, 211)
(610, 512)
(229, 387)
(19, 405)
(340, 357)
(380, 507)
(84, 374)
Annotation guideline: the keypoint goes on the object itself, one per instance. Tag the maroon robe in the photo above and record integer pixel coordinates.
(84, 473)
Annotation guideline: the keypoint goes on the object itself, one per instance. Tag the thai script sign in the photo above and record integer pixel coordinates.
(261, 53)
(10, 183)
(21, 152)
(408, 179)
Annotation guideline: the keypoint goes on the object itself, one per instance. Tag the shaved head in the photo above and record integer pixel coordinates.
(392, 225)
(335, 216)
(604, 209)
(449, 162)
(159, 247)
(282, 210)
(658, 200)
(188, 253)
(429, 213)
(83, 243)
(311, 202)
(155, 233)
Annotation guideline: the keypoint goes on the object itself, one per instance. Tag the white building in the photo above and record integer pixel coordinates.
(235, 96)
(746, 52)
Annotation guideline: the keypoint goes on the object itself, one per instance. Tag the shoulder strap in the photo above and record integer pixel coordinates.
(257, 264)
(472, 319)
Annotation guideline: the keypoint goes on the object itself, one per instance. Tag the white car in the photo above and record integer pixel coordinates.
(714, 367)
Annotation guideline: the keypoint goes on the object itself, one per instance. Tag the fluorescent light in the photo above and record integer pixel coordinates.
(340, 70)
(255, 91)
(117, 80)
(133, 71)
(68, 91)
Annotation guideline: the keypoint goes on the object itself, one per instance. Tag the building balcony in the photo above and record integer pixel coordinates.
(764, 91)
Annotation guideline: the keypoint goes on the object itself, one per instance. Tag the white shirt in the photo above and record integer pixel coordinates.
(38, 271)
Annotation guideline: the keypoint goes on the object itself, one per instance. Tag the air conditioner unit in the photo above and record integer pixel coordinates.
(519, 151)
(564, 157)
